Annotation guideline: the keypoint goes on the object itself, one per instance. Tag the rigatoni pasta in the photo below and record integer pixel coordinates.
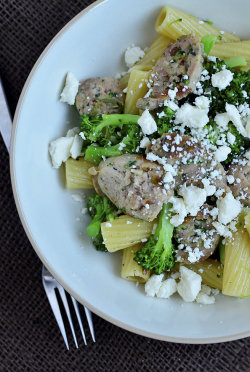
(211, 272)
(77, 175)
(237, 265)
(130, 269)
(173, 23)
(154, 52)
(137, 88)
(124, 232)
(235, 49)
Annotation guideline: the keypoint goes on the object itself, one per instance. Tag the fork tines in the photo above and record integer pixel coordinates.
(50, 285)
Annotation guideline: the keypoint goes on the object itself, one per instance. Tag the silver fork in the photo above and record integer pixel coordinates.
(50, 284)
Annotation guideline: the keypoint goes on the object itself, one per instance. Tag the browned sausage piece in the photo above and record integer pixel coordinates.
(180, 67)
(196, 237)
(134, 185)
(240, 187)
(100, 96)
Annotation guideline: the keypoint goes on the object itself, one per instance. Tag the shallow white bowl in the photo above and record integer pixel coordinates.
(90, 45)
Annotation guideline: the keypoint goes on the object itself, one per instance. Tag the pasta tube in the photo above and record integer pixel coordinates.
(130, 269)
(137, 88)
(226, 50)
(77, 176)
(154, 52)
(236, 275)
(173, 23)
(124, 232)
(247, 222)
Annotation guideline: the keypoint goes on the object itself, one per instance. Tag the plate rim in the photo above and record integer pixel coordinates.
(105, 316)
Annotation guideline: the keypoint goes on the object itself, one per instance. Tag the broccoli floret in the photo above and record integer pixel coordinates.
(129, 143)
(105, 129)
(101, 209)
(214, 133)
(158, 253)
(165, 124)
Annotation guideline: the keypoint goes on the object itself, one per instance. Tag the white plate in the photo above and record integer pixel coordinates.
(92, 44)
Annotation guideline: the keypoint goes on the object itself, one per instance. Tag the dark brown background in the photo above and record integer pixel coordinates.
(29, 337)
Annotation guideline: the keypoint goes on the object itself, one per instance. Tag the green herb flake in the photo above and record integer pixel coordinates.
(176, 20)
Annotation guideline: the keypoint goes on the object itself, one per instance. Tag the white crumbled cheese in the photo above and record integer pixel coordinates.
(247, 127)
(82, 135)
(70, 89)
(132, 55)
(147, 123)
(204, 299)
(180, 209)
(222, 229)
(173, 106)
(121, 146)
(167, 288)
(72, 132)
(194, 197)
(108, 224)
(175, 275)
(222, 120)
(202, 102)
(222, 79)
(210, 189)
(222, 153)
(211, 58)
(229, 208)
(189, 285)
(76, 147)
(230, 179)
(193, 116)
(231, 138)
(144, 142)
(247, 155)
(172, 93)
(129, 222)
(235, 117)
(153, 284)
(59, 150)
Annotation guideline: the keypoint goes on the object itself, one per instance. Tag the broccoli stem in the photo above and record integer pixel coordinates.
(208, 41)
(114, 120)
(164, 231)
(158, 253)
(95, 154)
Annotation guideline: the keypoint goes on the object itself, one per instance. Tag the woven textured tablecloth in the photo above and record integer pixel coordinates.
(29, 336)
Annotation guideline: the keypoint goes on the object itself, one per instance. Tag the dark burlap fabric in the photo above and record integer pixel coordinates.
(29, 337)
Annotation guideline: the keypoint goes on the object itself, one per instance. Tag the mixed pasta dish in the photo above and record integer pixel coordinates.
(165, 146)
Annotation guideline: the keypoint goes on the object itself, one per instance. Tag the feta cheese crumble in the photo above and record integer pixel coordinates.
(222, 79)
(132, 55)
(189, 285)
(222, 153)
(147, 123)
(70, 89)
(153, 285)
(167, 288)
(229, 208)
(193, 116)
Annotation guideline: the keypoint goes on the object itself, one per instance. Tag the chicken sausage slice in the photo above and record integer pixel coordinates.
(240, 170)
(192, 161)
(179, 68)
(196, 237)
(100, 96)
(134, 185)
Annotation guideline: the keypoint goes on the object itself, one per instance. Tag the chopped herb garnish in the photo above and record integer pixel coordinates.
(176, 20)
(130, 164)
